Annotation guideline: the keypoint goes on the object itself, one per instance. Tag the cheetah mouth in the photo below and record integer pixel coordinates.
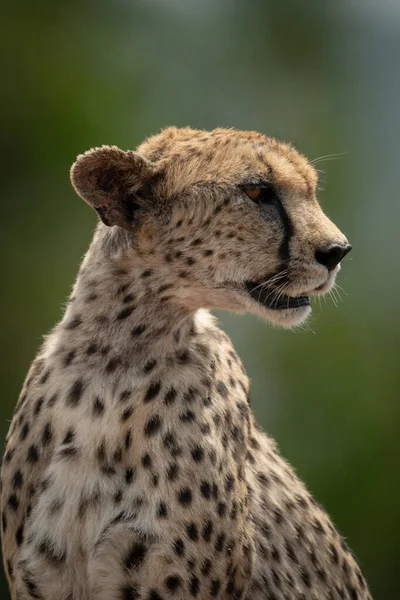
(272, 299)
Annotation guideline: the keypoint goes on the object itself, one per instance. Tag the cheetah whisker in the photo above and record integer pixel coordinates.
(328, 157)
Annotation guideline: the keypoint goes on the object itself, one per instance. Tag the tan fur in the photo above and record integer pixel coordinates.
(133, 467)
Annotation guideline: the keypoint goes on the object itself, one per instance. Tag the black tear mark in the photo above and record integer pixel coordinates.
(288, 231)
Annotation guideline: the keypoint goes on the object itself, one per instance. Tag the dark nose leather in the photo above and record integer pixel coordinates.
(331, 256)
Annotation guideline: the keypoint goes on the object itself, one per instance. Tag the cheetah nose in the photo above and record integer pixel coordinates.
(331, 256)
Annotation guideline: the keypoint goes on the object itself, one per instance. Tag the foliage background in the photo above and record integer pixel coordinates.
(321, 74)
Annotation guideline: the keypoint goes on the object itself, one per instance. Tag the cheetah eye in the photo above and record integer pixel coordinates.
(265, 194)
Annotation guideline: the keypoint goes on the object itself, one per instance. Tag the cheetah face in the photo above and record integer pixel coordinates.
(308, 252)
(229, 218)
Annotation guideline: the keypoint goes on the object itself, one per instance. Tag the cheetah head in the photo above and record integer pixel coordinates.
(229, 219)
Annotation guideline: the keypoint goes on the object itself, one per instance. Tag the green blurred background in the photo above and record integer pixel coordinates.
(324, 75)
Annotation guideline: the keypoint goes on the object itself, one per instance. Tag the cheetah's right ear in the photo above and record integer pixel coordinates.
(116, 183)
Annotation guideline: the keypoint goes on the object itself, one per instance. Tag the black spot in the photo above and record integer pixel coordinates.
(74, 322)
(38, 405)
(147, 273)
(17, 480)
(164, 287)
(47, 434)
(170, 396)
(45, 376)
(334, 554)
(187, 416)
(125, 313)
(135, 556)
(13, 502)
(221, 509)
(146, 460)
(112, 365)
(24, 432)
(32, 588)
(101, 452)
(190, 261)
(169, 440)
(128, 298)
(220, 542)
(19, 536)
(162, 510)
(173, 582)
(124, 396)
(205, 489)
(127, 413)
(185, 497)
(305, 576)
(33, 454)
(68, 452)
(179, 547)
(207, 401)
(98, 407)
(353, 592)
(194, 585)
(215, 587)
(69, 437)
(172, 471)
(192, 531)
(138, 330)
(197, 454)
(129, 475)
(122, 288)
(118, 496)
(190, 395)
(92, 349)
(229, 482)
(207, 531)
(152, 425)
(222, 389)
(152, 391)
(205, 428)
(75, 393)
(69, 357)
(149, 366)
(128, 440)
(206, 567)
(117, 456)
(275, 554)
(46, 549)
(183, 356)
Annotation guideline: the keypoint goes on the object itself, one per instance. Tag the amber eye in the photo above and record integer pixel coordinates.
(262, 194)
(253, 192)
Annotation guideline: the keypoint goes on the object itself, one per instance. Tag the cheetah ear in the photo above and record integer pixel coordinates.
(116, 183)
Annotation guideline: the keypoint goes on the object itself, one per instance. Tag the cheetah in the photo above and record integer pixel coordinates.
(134, 468)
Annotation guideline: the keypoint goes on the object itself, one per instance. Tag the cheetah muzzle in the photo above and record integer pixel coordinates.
(272, 299)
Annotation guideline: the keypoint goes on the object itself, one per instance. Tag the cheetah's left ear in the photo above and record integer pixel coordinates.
(116, 183)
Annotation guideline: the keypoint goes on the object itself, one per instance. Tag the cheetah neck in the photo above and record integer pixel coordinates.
(123, 309)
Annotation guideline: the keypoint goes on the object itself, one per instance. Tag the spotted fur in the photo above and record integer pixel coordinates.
(133, 467)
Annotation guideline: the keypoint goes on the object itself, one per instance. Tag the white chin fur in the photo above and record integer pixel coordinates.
(288, 317)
